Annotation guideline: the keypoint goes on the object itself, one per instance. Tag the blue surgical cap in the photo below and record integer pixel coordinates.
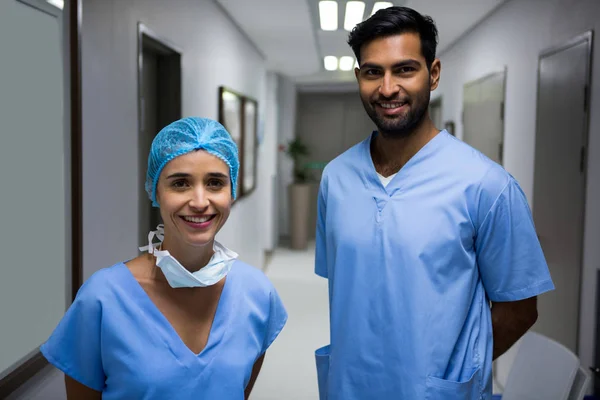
(187, 135)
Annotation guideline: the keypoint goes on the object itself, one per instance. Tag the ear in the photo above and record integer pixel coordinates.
(357, 73)
(434, 74)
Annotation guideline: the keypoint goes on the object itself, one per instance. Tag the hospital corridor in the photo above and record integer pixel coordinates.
(388, 200)
(289, 368)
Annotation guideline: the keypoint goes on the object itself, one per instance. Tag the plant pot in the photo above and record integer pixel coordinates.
(299, 195)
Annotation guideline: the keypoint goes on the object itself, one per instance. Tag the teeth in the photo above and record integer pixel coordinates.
(197, 220)
(390, 105)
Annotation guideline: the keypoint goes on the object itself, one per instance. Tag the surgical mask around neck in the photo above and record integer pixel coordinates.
(178, 276)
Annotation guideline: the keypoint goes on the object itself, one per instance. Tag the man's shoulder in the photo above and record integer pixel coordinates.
(345, 161)
(476, 167)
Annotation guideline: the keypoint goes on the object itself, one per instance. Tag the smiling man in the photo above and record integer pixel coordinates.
(429, 247)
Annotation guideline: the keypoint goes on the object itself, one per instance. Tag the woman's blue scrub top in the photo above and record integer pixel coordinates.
(115, 340)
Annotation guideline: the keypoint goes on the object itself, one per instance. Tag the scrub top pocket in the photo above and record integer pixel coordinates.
(441, 389)
(322, 359)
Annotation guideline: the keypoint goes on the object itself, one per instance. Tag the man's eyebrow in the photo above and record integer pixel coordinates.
(400, 64)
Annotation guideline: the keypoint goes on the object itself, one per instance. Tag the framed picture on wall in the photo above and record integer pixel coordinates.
(250, 145)
(230, 116)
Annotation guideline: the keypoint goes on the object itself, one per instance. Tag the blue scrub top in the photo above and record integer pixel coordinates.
(115, 340)
(412, 268)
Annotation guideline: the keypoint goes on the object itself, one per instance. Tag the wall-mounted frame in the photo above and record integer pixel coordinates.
(250, 146)
(68, 15)
(231, 117)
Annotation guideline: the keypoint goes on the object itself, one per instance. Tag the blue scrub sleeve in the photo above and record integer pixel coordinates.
(74, 346)
(277, 319)
(321, 239)
(510, 258)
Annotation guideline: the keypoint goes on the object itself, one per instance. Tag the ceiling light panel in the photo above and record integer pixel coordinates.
(355, 11)
(328, 15)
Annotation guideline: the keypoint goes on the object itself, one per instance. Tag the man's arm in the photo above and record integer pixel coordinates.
(78, 391)
(510, 321)
(255, 371)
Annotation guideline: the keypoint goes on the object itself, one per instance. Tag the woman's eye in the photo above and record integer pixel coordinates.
(180, 184)
(215, 183)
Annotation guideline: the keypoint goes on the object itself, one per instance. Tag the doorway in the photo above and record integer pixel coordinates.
(559, 181)
(483, 115)
(159, 103)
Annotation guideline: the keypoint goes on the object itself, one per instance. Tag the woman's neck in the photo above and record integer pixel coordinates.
(192, 258)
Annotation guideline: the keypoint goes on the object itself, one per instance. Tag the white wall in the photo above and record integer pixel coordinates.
(514, 36)
(215, 53)
(268, 155)
(286, 93)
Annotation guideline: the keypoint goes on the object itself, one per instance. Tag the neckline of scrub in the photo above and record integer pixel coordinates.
(217, 331)
(370, 176)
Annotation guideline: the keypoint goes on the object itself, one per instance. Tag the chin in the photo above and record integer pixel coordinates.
(200, 241)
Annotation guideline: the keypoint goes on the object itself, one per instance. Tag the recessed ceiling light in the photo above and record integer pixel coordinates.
(57, 3)
(346, 63)
(380, 5)
(355, 11)
(331, 63)
(328, 14)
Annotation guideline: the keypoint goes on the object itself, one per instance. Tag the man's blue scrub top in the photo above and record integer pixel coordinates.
(412, 268)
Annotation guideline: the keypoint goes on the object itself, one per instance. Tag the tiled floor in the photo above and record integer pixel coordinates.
(289, 371)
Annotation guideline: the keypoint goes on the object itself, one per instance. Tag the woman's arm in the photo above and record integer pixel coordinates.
(255, 370)
(78, 391)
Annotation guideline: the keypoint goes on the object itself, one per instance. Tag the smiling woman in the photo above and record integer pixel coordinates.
(188, 308)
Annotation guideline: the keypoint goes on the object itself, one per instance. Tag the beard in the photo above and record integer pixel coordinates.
(402, 125)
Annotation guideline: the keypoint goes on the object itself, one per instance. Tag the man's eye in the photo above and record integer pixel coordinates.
(404, 70)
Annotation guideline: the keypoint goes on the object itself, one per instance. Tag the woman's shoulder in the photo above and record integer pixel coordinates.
(102, 283)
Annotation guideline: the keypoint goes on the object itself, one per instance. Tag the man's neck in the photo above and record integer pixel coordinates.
(391, 154)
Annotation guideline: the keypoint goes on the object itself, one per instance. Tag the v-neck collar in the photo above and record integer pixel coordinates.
(369, 174)
(170, 336)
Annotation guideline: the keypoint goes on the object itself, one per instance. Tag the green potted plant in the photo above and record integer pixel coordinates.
(299, 195)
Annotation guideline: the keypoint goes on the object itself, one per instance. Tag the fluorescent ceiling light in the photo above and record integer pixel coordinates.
(229, 96)
(355, 10)
(331, 63)
(380, 5)
(328, 13)
(346, 63)
(57, 3)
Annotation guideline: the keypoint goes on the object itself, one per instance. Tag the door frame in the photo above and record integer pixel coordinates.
(161, 44)
(586, 37)
(163, 47)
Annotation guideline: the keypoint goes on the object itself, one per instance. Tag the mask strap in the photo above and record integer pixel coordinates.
(160, 235)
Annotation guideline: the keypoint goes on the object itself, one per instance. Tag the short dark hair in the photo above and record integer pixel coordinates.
(395, 21)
